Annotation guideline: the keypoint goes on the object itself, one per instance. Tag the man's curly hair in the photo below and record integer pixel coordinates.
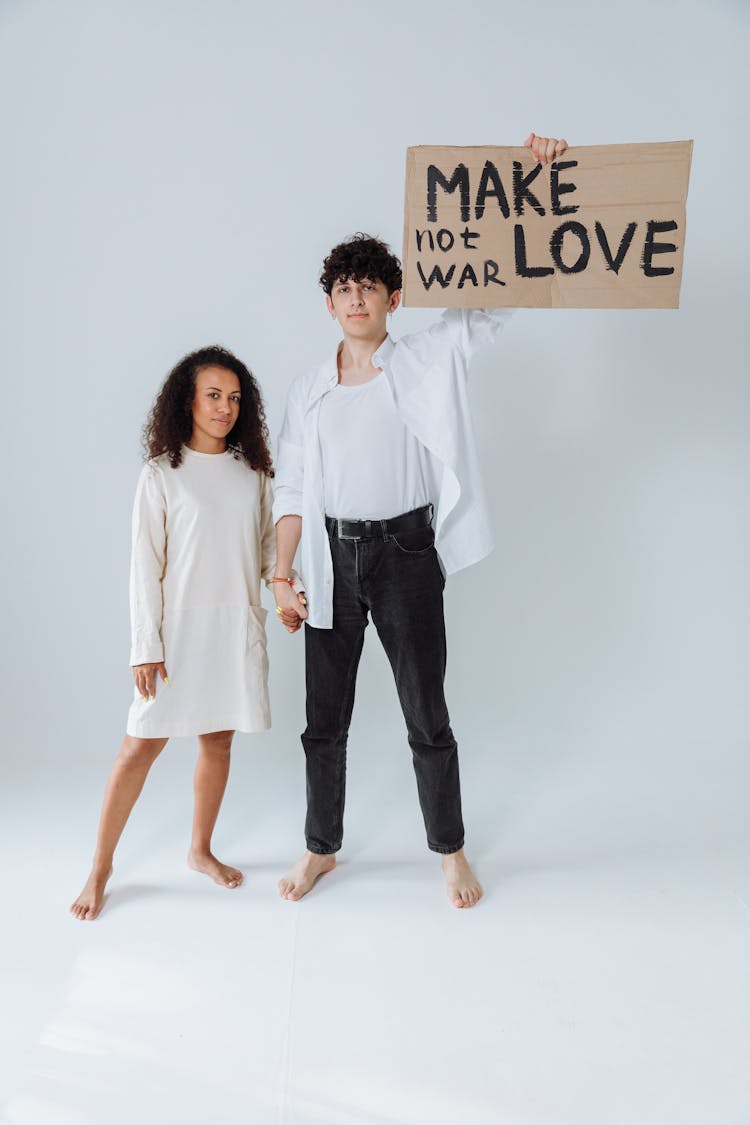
(169, 425)
(359, 257)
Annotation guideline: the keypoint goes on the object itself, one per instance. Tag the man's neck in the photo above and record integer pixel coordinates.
(355, 359)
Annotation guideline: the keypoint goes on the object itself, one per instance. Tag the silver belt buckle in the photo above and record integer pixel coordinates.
(340, 529)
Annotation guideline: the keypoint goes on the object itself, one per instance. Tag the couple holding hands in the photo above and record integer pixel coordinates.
(377, 484)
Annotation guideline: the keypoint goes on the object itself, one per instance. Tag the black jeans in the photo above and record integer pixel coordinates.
(397, 579)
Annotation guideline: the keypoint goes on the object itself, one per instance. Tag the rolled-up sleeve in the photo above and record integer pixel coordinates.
(147, 562)
(458, 331)
(477, 327)
(290, 461)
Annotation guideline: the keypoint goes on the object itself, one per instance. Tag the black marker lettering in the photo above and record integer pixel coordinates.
(521, 188)
(490, 273)
(459, 179)
(557, 189)
(467, 274)
(437, 275)
(445, 239)
(556, 242)
(522, 269)
(619, 258)
(491, 175)
(420, 235)
(466, 234)
(650, 248)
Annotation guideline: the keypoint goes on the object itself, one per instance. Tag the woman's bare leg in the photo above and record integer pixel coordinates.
(211, 775)
(123, 789)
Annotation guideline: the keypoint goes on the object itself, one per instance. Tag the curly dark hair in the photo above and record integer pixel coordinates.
(169, 425)
(359, 257)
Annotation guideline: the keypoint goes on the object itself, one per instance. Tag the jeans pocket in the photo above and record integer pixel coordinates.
(417, 541)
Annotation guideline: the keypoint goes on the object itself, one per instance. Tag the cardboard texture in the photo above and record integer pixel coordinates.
(603, 227)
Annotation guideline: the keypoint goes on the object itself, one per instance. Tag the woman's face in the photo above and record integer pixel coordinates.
(216, 404)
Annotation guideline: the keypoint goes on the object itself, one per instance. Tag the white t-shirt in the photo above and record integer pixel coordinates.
(373, 466)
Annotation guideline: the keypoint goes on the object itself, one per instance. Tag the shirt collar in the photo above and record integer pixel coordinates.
(381, 358)
(328, 374)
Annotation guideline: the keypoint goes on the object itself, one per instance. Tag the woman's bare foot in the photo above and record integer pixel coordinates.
(304, 875)
(208, 864)
(461, 882)
(89, 902)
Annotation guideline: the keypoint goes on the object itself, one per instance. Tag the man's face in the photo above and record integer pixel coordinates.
(361, 307)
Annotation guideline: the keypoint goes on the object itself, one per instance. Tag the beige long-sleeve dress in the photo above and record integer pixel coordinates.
(203, 539)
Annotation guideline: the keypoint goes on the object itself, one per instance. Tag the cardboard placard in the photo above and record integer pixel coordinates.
(603, 227)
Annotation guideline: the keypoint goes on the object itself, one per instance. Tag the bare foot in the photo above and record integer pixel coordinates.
(461, 882)
(89, 902)
(305, 874)
(208, 864)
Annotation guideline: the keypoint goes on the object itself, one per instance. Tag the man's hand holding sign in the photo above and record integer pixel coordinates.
(545, 149)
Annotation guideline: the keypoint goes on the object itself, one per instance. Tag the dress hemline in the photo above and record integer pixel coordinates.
(192, 730)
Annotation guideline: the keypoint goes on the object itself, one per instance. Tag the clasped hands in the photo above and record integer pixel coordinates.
(291, 606)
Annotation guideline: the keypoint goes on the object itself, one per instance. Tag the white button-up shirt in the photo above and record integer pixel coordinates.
(427, 373)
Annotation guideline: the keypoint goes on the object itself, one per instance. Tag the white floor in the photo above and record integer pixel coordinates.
(602, 981)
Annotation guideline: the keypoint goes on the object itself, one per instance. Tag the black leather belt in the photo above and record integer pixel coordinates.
(372, 529)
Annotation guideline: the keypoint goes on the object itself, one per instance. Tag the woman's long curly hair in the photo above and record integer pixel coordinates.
(169, 425)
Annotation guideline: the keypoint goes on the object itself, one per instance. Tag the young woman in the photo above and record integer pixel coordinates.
(203, 538)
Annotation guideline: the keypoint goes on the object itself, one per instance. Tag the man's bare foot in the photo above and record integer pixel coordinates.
(304, 875)
(461, 882)
(89, 902)
(208, 864)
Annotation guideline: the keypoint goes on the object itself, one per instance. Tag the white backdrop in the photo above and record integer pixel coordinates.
(172, 175)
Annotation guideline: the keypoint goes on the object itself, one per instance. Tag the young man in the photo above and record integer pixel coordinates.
(376, 443)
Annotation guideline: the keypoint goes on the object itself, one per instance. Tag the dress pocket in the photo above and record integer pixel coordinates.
(256, 625)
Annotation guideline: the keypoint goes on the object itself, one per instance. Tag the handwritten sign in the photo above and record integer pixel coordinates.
(602, 227)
